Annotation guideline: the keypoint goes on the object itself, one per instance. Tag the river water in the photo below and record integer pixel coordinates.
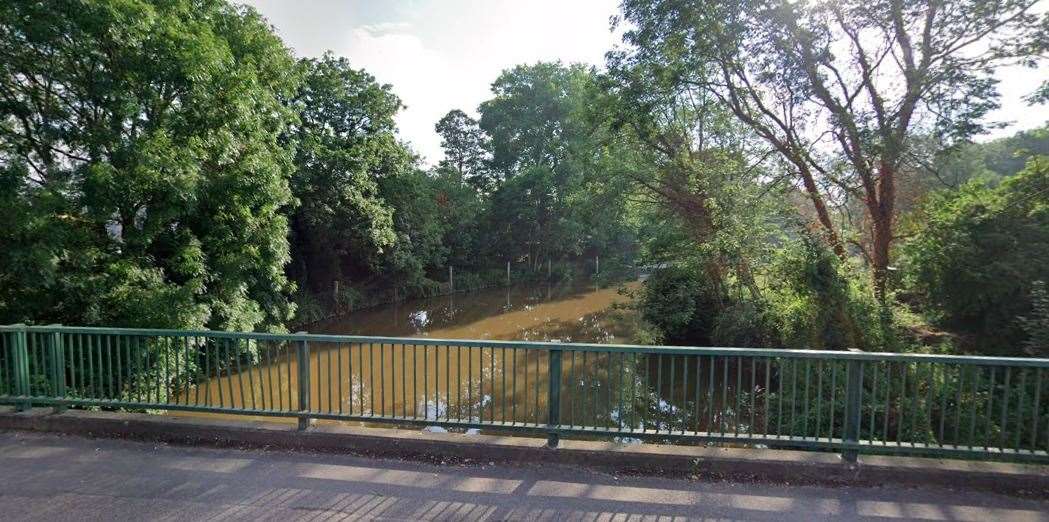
(565, 313)
(441, 381)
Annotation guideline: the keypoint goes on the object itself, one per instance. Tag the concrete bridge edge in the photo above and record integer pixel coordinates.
(690, 462)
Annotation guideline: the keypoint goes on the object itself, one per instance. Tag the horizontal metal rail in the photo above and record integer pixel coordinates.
(846, 401)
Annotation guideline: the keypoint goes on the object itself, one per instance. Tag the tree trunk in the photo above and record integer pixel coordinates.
(882, 209)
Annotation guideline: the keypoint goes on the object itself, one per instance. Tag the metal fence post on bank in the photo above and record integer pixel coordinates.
(553, 420)
(853, 396)
(302, 360)
(58, 367)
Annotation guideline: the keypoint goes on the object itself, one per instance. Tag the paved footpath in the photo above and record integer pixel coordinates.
(48, 477)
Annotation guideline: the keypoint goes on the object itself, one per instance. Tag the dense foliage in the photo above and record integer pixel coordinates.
(973, 256)
(142, 181)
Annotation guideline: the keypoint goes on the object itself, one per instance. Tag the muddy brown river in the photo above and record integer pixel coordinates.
(440, 381)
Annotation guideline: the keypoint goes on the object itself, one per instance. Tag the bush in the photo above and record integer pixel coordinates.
(816, 303)
(678, 303)
(975, 255)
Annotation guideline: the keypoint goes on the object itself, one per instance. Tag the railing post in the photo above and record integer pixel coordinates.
(554, 399)
(20, 359)
(853, 394)
(58, 368)
(303, 362)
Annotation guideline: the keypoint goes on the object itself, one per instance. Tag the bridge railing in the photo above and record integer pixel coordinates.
(850, 402)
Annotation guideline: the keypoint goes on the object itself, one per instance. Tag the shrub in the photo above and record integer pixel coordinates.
(974, 257)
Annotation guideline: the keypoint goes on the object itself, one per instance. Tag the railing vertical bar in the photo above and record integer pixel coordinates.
(739, 386)
(70, 345)
(290, 357)
(95, 353)
(470, 383)
(990, 408)
(622, 388)
(437, 382)
(331, 388)
(469, 380)
(805, 420)
(635, 382)
(608, 389)
(916, 404)
(1037, 411)
(167, 343)
(699, 388)
(684, 393)
(404, 382)
(975, 406)
(229, 371)
(793, 396)
(109, 366)
(1020, 409)
(819, 399)
(148, 361)
(504, 371)
(943, 405)
(958, 406)
(513, 394)
(92, 384)
(536, 412)
(491, 384)
(753, 394)
(302, 358)
(426, 382)
(553, 419)
(853, 402)
(833, 394)
(338, 374)
(265, 375)
(888, 401)
(240, 372)
(448, 382)
(198, 365)
(724, 394)
(930, 386)
(382, 379)
(710, 395)
(360, 379)
(1005, 407)
(768, 387)
(902, 403)
(572, 389)
(132, 364)
(121, 381)
(280, 380)
(371, 379)
(213, 352)
(670, 392)
(458, 388)
(584, 390)
(415, 382)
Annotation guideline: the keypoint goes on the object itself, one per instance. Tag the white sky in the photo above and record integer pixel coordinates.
(441, 55)
(444, 54)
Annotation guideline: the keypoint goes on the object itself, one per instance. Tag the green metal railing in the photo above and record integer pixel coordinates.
(850, 402)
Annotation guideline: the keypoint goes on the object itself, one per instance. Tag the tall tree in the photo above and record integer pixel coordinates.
(466, 149)
(346, 142)
(144, 182)
(837, 88)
